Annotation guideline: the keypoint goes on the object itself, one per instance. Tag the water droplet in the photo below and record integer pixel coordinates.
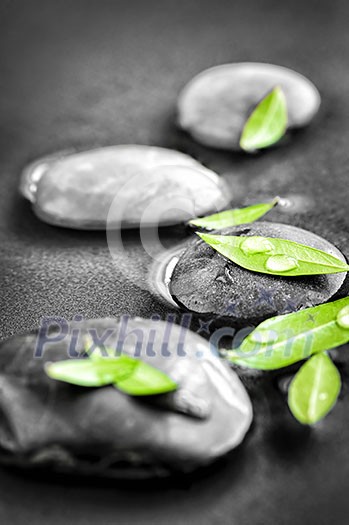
(160, 274)
(281, 263)
(343, 317)
(323, 396)
(264, 336)
(253, 245)
(221, 279)
(284, 203)
(295, 203)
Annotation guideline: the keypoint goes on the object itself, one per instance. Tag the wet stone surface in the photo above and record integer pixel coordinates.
(205, 282)
(215, 104)
(122, 185)
(101, 431)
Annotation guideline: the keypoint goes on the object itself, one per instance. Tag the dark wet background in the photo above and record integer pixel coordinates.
(87, 73)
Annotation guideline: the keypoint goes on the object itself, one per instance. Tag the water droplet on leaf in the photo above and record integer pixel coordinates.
(253, 245)
(343, 317)
(281, 263)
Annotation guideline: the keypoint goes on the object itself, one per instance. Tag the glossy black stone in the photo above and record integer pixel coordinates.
(205, 282)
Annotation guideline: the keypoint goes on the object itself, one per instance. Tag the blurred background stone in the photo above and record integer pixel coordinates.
(214, 106)
(119, 185)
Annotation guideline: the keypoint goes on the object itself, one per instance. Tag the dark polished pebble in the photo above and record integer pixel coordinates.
(103, 432)
(205, 282)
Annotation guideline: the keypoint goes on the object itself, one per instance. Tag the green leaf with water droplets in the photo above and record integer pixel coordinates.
(267, 123)
(126, 373)
(286, 339)
(274, 256)
(234, 217)
(314, 389)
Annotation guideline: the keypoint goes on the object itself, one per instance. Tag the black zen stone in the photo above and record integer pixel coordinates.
(205, 282)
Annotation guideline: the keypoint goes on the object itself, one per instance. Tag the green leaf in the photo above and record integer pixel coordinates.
(91, 373)
(274, 256)
(146, 380)
(314, 389)
(234, 217)
(287, 339)
(126, 373)
(267, 123)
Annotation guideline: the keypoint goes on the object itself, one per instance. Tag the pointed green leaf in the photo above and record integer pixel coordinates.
(91, 373)
(287, 339)
(267, 123)
(314, 389)
(274, 256)
(146, 380)
(234, 217)
(128, 374)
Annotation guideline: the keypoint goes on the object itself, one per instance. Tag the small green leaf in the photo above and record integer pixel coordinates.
(91, 373)
(126, 373)
(287, 339)
(314, 389)
(274, 256)
(267, 123)
(234, 217)
(146, 380)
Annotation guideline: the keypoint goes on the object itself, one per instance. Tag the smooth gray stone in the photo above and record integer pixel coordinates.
(205, 282)
(104, 432)
(214, 106)
(121, 185)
